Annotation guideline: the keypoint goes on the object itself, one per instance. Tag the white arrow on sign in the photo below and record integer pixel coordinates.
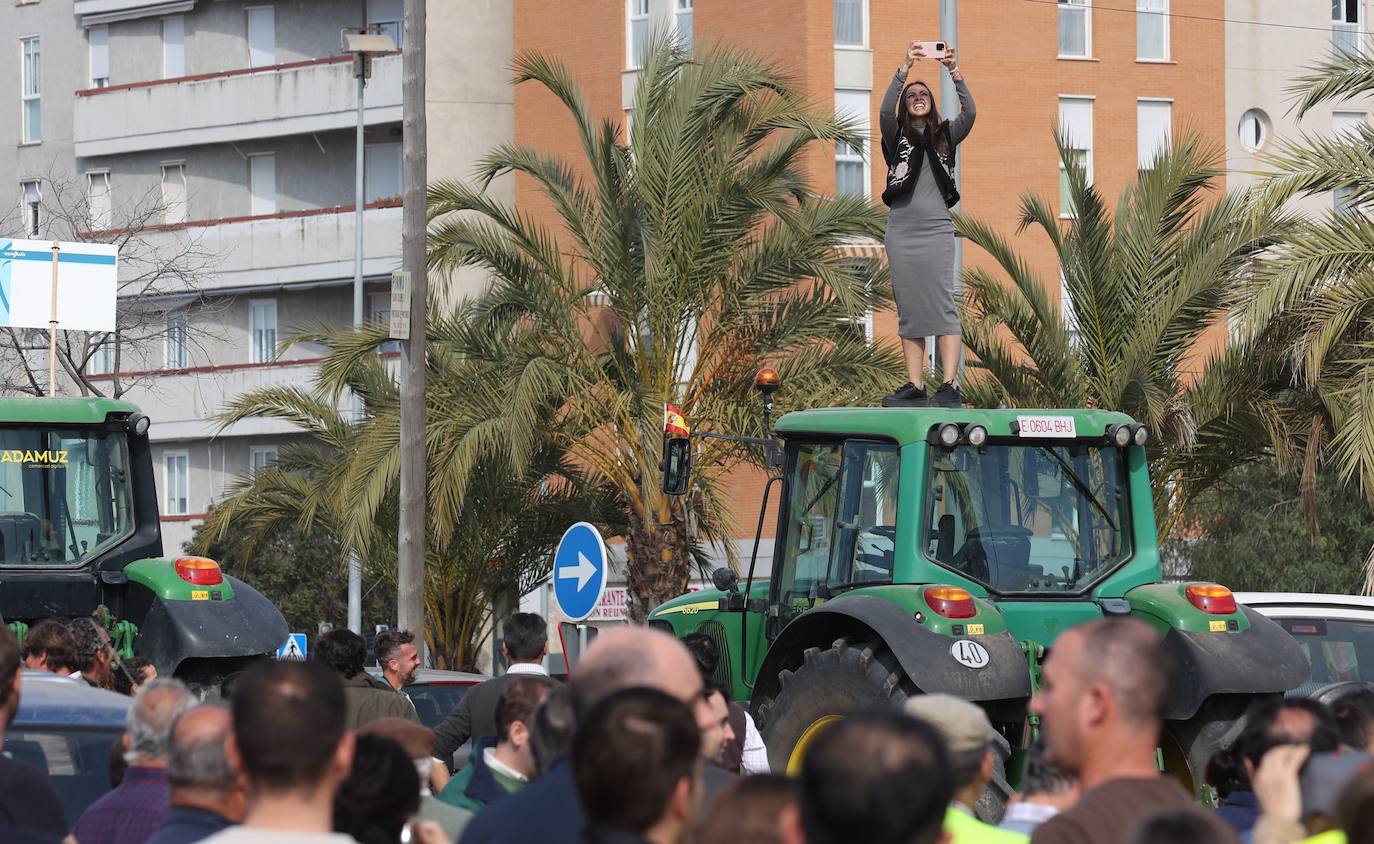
(583, 571)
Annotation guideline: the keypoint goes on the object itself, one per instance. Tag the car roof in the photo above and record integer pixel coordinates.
(1306, 603)
(438, 675)
(47, 698)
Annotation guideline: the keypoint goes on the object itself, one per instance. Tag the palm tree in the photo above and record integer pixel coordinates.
(486, 551)
(1310, 304)
(1144, 284)
(670, 270)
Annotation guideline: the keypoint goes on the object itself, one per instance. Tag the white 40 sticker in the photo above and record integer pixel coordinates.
(969, 654)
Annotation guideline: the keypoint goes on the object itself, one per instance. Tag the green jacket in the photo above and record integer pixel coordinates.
(963, 828)
(368, 699)
(478, 784)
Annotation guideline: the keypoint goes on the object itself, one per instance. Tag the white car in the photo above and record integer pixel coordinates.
(1335, 631)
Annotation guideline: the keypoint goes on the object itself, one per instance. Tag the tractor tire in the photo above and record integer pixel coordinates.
(849, 676)
(1189, 745)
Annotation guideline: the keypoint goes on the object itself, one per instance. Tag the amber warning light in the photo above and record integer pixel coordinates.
(951, 602)
(199, 571)
(1211, 598)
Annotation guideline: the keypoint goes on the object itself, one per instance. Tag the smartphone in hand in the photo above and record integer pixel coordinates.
(932, 49)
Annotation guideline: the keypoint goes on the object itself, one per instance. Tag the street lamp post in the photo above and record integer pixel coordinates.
(949, 98)
(363, 45)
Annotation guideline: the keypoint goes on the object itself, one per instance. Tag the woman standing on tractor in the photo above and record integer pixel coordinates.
(919, 149)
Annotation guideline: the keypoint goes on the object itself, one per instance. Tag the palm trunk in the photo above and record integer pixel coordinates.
(658, 563)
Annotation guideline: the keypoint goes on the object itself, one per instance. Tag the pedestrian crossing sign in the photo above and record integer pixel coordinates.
(294, 647)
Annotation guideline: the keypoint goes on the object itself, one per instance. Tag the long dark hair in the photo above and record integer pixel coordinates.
(932, 121)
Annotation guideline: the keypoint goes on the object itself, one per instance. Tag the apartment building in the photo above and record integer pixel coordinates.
(1269, 43)
(233, 120)
(1117, 78)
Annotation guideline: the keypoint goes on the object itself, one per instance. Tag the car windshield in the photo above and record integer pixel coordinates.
(1338, 650)
(1028, 517)
(434, 701)
(64, 495)
(75, 760)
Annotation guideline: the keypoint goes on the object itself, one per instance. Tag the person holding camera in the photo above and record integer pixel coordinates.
(919, 150)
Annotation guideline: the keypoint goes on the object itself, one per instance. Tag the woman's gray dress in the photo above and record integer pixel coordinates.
(920, 237)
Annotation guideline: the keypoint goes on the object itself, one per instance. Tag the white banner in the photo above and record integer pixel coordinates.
(87, 285)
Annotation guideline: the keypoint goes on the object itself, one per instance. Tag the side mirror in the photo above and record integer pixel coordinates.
(724, 579)
(676, 465)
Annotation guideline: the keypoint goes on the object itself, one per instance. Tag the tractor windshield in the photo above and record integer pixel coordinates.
(1029, 517)
(65, 495)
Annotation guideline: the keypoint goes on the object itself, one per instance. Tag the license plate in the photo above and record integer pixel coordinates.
(1046, 426)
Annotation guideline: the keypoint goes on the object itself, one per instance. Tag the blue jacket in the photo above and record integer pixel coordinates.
(547, 810)
(1240, 811)
(477, 785)
(185, 825)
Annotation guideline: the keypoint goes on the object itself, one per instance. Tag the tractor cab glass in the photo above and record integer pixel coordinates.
(65, 495)
(841, 514)
(1028, 517)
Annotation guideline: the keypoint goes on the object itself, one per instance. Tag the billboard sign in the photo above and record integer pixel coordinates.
(87, 285)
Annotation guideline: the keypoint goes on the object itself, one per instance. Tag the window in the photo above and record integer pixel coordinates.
(30, 92)
(263, 330)
(260, 457)
(173, 47)
(637, 34)
(177, 342)
(990, 505)
(98, 37)
(1152, 30)
(262, 36)
(682, 22)
(1066, 308)
(174, 192)
(31, 199)
(388, 16)
(1345, 26)
(841, 527)
(382, 171)
(863, 324)
(102, 354)
(1153, 125)
(851, 170)
(1076, 126)
(1345, 125)
(262, 184)
(1254, 129)
(1075, 29)
(176, 483)
(851, 23)
(379, 310)
(98, 200)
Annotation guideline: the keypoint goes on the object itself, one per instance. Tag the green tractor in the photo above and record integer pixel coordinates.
(80, 536)
(923, 550)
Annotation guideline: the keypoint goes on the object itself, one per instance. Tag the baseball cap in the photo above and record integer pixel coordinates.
(964, 726)
(1325, 775)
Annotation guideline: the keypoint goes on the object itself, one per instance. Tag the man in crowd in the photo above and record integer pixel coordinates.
(880, 778)
(94, 654)
(135, 810)
(968, 736)
(29, 807)
(1101, 702)
(637, 765)
(417, 740)
(398, 657)
(1354, 714)
(291, 743)
(367, 698)
(207, 795)
(525, 641)
(717, 734)
(547, 810)
(49, 646)
(745, 751)
(505, 764)
(1045, 792)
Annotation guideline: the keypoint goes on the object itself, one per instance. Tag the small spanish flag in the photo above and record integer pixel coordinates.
(674, 423)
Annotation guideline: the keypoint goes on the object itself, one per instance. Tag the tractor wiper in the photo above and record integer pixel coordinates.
(1079, 484)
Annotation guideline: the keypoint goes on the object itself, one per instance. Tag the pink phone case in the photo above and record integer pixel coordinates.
(933, 49)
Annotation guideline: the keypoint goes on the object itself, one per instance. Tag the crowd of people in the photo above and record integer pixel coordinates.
(642, 746)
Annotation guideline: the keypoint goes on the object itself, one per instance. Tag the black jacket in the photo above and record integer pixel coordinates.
(474, 717)
(28, 802)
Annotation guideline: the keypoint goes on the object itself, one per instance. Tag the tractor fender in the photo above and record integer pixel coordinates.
(246, 625)
(927, 658)
(1262, 659)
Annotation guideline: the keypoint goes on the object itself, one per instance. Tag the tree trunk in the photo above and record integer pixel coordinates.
(658, 563)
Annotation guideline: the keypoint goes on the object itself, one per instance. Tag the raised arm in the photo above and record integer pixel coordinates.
(961, 124)
(887, 113)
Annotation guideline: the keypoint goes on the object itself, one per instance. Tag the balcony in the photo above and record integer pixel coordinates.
(288, 249)
(232, 106)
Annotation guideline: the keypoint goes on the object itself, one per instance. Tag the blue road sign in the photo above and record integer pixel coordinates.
(294, 647)
(579, 571)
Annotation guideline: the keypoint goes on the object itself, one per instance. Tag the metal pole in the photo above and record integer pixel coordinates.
(949, 101)
(410, 574)
(52, 326)
(355, 565)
